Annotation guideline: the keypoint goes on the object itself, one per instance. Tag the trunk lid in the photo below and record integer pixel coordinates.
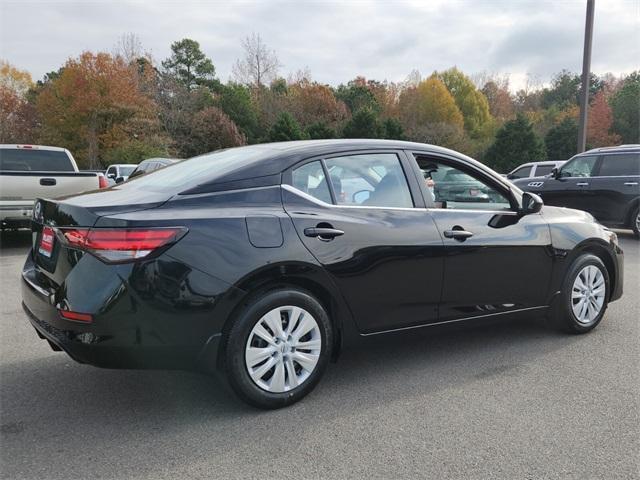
(55, 261)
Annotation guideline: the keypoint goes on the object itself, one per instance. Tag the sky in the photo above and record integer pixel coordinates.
(336, 41)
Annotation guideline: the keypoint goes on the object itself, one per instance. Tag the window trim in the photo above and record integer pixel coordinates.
(468, 168)
(413, 186)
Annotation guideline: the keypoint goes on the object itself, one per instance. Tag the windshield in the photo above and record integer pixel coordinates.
(18, 159)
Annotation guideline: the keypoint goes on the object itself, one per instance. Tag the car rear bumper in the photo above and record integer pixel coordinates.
(16, 216)
(107, 342)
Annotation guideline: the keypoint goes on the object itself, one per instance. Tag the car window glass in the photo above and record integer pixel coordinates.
(453, 188)
(309, 178)
(111, 171)
(620, 165)
(124, 171)
(543, 170)
(375, 180)
(579, 167)
(521, 172)
(17, 159)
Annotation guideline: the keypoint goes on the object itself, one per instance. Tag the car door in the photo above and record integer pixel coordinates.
(496, 260)
(367, 226)
(614, 187)
(570, 188)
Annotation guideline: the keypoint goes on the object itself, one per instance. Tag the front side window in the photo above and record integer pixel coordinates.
(375, 180)
(111, 171)
(620, 165)
(579, 167)
(453, 188)
(309, 178)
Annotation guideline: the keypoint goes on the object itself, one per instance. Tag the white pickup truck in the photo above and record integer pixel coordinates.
(28, 172)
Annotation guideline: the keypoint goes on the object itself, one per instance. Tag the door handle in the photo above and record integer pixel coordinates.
(631, 184)
(458, 233)
(323, 233)
(582, 184)
(47, 182)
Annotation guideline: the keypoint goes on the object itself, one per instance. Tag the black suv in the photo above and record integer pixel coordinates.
(604, 182)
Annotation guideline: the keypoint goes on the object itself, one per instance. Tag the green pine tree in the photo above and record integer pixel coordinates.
(286, 128)
(516, 143)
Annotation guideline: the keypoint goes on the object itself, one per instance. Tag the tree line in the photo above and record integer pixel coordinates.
(123, 106)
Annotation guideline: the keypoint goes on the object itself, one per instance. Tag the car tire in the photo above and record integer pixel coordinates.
(635, 221)
(584, 297)
(277, 348)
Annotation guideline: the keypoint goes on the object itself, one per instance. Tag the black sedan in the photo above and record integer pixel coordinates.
(253, 261)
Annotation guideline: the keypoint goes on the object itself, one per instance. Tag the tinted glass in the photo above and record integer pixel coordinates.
(111, 171)
(620, 165)
(196, 170)
(34, 160)
(455, 189)
(521, 172)
(579, 167)
(543, 170)
(126, 171)
(374, 180)
(309, 178)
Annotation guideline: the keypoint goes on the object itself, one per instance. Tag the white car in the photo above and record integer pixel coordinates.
(120, 170)
(28, 172)
(534, 169)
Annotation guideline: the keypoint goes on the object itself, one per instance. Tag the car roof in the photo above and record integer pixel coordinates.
(631, 148)
(267, 159)
(159, 159)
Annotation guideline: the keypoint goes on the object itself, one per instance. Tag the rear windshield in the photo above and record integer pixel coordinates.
(34, 160)
(126, 171)
(195, 171)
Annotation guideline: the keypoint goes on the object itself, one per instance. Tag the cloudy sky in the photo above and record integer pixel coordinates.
(337, 40)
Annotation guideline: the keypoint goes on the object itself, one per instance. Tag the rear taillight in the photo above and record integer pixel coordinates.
(117, 245)
(75, 316)
(102, 181)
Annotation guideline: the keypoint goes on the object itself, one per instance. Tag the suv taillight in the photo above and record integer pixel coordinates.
(118, 245)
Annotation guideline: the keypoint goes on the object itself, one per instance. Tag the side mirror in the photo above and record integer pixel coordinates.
(555, 173)
(531, 203)
(510, 176)
(119, 180)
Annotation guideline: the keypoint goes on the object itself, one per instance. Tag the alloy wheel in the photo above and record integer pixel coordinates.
(283, 349)
(587, 294)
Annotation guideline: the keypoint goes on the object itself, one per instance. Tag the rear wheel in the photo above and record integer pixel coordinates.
(584, 297)
(635, 221)
(278, 348)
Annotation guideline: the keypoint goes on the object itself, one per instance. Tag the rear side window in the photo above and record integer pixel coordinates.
(620, 165)
(375, 180)
(542, 170)
(309, 178)
(13, 159)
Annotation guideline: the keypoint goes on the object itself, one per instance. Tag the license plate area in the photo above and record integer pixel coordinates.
(47, 242)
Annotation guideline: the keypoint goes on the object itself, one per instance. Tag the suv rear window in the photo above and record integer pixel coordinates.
(26, 160)
(620, 165)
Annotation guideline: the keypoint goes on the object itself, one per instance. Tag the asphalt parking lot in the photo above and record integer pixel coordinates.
(504, 400)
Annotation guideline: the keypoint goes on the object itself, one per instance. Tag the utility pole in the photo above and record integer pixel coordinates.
(586, 70)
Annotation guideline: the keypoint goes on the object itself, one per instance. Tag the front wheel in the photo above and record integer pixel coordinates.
(278, 348)
(584, 297)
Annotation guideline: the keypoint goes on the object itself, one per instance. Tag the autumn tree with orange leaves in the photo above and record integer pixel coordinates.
(18, 120)
(96, 109)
